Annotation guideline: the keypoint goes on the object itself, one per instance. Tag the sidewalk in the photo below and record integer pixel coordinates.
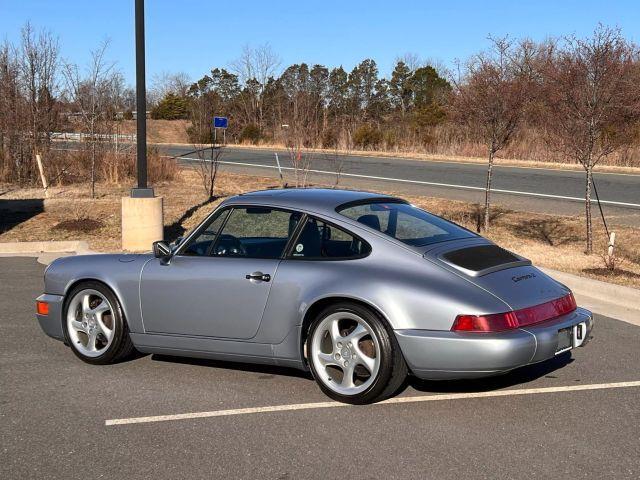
(615, 301)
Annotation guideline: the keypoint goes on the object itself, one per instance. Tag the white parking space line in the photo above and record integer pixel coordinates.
(420, 182)
(396, 400)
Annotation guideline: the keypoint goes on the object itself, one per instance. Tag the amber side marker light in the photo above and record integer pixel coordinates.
(42, 308)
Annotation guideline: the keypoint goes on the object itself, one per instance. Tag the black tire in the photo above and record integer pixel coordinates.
(121, 347)
(393, 370)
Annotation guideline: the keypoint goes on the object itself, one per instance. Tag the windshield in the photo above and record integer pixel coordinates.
(405, 222)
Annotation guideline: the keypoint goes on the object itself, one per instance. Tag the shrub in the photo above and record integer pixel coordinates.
(367, 136)
(171, 107)
(329, 139)
(250, 133)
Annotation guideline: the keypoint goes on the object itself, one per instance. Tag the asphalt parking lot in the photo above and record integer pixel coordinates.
(57, 414)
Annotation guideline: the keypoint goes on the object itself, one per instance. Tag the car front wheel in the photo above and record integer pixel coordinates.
(94, 325)
(353, 355)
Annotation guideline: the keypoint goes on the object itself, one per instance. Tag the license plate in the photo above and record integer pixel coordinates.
(565, 339)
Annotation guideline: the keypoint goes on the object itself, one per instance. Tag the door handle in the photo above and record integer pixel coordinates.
(259, 276)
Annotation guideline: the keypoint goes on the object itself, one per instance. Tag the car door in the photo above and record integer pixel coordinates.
(218, 283)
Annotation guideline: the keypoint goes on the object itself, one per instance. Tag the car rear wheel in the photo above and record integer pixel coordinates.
(94, 325)
(353, 355)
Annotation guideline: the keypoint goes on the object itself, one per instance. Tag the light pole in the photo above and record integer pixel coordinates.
(141, 190)
(141, 212)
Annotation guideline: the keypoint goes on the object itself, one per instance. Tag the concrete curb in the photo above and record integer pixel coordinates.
(34, 248)
(46, 252)
(608, 299)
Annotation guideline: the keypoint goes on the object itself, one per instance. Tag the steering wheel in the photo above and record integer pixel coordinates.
(229, 246)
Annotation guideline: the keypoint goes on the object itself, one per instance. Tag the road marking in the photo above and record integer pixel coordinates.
(421, 182)
(391, 401)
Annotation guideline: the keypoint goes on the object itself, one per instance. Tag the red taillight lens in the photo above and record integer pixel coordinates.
(517, 318)
(42, 308)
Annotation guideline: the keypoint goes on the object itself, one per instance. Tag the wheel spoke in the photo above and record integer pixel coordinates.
(100, 309)
(347, 377)
(327, 359)
(86, 308)
(364, 360)
(78, 326)
(91, 340)
(357, 334)
(335, 334)
(104, 329)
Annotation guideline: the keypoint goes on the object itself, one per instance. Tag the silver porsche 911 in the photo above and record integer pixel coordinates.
(359, 288)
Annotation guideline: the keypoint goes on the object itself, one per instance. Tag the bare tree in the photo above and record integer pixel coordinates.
(38, 67)
(166, 82)
(254, 67)
(491, 98)
(336, 164)
(12, 120)
(301, 160)
(90, 95)
(207, 168)
(592, 102)
(28, 103)
(411, 60)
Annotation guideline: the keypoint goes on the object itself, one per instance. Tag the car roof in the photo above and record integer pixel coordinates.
(321, 200)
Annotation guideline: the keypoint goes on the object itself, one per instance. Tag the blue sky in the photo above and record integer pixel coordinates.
(194, 35)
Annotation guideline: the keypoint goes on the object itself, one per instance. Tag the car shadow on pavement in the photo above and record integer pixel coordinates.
(514, 377)
(267, 370)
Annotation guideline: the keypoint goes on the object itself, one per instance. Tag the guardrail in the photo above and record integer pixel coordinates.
(81, 137)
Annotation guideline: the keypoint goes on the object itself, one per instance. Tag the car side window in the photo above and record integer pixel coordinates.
(202, 243)
(255, 232)
(319, 240)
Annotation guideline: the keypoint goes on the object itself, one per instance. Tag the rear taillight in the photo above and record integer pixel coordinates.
(516, 318)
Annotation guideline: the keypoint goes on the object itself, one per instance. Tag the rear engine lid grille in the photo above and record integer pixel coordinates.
(481, 259)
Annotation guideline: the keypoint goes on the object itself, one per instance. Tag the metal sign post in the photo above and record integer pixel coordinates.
(222, 123)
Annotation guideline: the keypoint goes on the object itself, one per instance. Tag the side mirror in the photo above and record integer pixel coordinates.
(161, 249)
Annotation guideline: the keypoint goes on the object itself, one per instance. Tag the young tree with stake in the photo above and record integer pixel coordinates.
(491, 99)
(592, 102)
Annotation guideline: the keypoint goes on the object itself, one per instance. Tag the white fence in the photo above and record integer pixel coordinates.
(82, 137)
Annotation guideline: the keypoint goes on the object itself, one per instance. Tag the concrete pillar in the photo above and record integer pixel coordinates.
(141, 223)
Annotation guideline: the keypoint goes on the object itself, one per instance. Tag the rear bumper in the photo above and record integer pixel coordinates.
(445, 355)
(52, 324)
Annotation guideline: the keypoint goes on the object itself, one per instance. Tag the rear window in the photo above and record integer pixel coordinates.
(405, 222)
(480, 257)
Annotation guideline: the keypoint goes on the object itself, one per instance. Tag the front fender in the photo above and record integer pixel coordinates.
(121, 273)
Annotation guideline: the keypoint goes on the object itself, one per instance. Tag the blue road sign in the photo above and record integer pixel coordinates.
(220, 122)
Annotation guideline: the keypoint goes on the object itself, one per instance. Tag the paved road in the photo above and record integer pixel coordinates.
(53, 410)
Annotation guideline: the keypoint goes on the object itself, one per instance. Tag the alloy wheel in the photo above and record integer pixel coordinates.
(90, 323)
(345, 353)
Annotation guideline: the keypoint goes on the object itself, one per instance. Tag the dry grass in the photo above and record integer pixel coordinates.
(549, 241)
(174, 132)
(160, 131)
(71, 203)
